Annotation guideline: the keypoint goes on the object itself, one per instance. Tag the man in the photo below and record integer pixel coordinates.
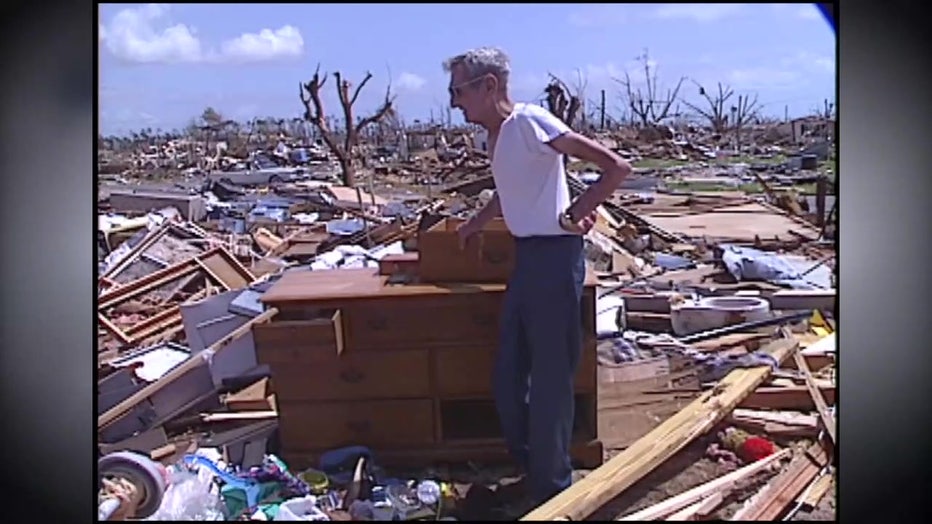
(541, 328)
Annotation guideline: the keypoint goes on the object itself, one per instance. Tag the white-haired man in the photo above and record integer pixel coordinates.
(541, 328)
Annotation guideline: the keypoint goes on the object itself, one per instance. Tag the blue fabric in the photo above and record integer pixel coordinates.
(749, 264)
(540, 345)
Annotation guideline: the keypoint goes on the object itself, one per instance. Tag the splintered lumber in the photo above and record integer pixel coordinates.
(239, 415)
(787, 397)
(622, 471)
(773, 499)
(697, 494)
(113, 413)
(817, 490)
(827, 419)
(699, 509)
(776, 423)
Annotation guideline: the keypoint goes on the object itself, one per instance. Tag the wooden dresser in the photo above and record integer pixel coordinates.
(404, 369)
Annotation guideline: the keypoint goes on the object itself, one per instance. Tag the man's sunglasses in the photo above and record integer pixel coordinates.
(457, 90)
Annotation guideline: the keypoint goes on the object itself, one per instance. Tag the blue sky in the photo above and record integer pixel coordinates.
(162, 64)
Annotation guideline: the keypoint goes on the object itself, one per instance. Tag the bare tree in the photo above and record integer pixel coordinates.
(561, 101)
(744, 112)
(715, 114)
(648, 107)
(579, 88)
(314, 112)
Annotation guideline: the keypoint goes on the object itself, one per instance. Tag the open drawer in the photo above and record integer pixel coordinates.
(289, 338)
(488, 257)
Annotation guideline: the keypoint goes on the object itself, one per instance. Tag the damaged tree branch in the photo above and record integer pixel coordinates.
(314, 113)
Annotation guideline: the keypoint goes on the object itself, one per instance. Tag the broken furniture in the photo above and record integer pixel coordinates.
(214, 265)
(404, 369)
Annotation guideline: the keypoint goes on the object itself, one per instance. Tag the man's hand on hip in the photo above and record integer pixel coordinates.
(579, 227)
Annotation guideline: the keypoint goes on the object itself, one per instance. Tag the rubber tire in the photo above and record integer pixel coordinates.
(142, 472)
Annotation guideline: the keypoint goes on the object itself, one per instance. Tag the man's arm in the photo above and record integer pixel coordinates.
(547, 134)
(490, 210)
(614, 170)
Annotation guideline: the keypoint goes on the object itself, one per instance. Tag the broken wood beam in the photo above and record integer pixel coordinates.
(622, 471)
(239, 415)
(720, 484)
(773, 499)
(821, 407)
(116, 411)
(814, 493)
(699, 509)
(789, 397)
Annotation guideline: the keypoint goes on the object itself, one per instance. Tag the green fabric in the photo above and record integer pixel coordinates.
(235, 498)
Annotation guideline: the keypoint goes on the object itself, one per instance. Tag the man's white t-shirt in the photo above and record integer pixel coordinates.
(529, 176)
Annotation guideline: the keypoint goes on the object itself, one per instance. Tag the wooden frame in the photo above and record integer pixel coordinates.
(233, 276)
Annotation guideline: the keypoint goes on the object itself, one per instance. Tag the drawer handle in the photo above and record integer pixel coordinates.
(378, 323)
(483, 319)
(495, 258)
(352, 376)
(358, 426)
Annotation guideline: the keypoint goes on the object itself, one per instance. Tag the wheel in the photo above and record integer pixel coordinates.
(145, 474)
(275, 179)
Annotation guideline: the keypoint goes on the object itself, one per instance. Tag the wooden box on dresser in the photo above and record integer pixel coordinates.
(404, 369)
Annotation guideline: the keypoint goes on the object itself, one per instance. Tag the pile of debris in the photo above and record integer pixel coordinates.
(180, 291)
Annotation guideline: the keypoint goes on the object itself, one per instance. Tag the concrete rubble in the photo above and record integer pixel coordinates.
(191, 237)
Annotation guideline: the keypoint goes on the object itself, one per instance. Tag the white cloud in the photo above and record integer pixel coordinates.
(146, 35)
(132, 36)
(410, 81)
(697, 12)
(266, 45)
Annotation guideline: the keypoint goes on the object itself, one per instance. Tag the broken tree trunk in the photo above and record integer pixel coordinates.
(314, 113)
(622, 471)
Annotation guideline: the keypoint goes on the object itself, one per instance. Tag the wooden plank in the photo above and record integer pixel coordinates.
(699, 509)
(773, 499)
(821, 407)
(138, 249)
(622, 471)
(712, 487)
(241, 415)
(776, 423)
(791, 397)
(817, 490)
(226, 269)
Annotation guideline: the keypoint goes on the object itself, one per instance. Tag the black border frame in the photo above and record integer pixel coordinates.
(47, 369)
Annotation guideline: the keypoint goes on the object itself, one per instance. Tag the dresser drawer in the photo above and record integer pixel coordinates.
(467, 371)
(488, 256)
(322, 375)
(402, 322)
(288, 339)
(389, 423)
